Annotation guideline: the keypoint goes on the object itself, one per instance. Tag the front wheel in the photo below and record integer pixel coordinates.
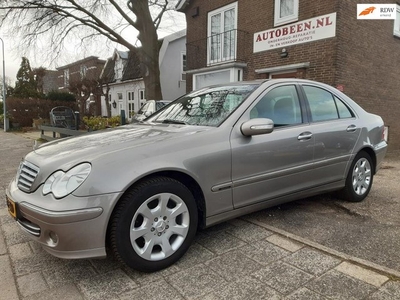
(154, 224)
(359, 179)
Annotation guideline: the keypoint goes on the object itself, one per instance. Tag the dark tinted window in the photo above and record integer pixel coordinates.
(325, 106)
(281, 105)
(344, 111)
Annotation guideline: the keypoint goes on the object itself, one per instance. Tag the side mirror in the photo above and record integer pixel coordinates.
(257, 126)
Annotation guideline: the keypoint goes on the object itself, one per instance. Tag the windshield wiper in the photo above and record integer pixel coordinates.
(170, 121)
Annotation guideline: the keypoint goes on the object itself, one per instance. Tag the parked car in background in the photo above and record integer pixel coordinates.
(142, 190)
(149, 108)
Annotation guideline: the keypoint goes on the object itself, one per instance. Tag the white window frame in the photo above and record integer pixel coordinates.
(396, 27)
(119, 68)
(278, 20)
(142, 96)
(183, 66)
(221, 50)
(66, 77)
(235, 74)
(83, 71)
(130, 96)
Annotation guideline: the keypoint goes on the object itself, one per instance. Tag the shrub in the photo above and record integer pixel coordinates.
(60, 96)
(98, 123)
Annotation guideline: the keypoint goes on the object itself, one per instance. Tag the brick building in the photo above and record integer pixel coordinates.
(50, 81)
(312, 39)
(81, 77)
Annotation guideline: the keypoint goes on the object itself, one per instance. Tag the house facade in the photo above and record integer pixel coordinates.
(173, 65)
(50, 81)
(81, 77)
(318, 40)
(122, 82)
(124, 85)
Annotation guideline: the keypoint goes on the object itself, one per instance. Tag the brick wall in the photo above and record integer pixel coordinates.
(368, 60)
(94, 68)
(257, 15)
(364, 56)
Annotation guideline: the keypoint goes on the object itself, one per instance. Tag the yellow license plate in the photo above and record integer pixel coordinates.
(12, 209)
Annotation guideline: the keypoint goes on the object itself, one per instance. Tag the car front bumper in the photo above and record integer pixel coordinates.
(71, 227)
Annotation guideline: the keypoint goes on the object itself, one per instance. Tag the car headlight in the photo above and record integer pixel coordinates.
(61, 184)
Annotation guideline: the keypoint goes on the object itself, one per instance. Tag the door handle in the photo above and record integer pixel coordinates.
(304, 136)
(351, 128)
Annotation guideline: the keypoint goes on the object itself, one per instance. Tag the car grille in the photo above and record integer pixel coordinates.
(29, 226)
(27, 173)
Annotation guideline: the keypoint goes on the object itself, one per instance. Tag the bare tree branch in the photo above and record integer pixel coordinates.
(61, 20)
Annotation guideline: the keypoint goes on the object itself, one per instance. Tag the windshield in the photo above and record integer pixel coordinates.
(148, 108)
(206, 107)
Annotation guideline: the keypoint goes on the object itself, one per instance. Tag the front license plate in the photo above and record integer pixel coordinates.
(12, 208)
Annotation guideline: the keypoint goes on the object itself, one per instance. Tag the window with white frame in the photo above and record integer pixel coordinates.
(142, 97)
(201, 80)
(131, 104)
(222, 25)
(183, 65)
(118, 69)
(83, 71)
(286, 11)
(66, 77)
(396, 29)
(131, 96)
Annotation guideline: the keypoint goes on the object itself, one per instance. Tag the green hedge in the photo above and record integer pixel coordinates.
(98, 123)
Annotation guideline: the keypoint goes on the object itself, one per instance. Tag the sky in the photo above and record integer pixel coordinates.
(13, 58)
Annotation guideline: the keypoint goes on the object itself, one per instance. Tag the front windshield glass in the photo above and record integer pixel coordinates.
(205, 107)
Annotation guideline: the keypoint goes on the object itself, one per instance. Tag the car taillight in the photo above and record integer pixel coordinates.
(385, 133)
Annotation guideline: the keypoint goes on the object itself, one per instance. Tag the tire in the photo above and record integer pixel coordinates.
(359, 179)
(153, 224)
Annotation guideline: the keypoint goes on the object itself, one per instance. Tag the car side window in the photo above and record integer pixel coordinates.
(281, 105)
(344, 111)
(324, 106)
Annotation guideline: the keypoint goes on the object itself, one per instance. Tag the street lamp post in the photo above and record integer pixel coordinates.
(4, 89)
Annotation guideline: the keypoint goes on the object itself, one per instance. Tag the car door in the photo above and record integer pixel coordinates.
(275, 164)
(335, 129)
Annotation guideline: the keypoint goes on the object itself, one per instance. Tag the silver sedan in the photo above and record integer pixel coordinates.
(141, 191)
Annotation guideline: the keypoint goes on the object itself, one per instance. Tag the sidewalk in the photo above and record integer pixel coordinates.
(240, 259)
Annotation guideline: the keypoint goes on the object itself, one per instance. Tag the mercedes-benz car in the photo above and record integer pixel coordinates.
(141, 191)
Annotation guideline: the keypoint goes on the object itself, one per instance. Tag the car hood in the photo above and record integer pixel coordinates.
(66, 153)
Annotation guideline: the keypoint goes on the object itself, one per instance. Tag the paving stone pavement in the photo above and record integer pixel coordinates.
(240, 259)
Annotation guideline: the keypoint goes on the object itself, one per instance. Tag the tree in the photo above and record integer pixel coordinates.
(25, 86)
(8, 86)
(83, 89)
(61, 19)
(39, 74)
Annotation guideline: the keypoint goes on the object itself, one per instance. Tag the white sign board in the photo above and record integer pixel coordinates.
(376, 11)
(310, 30)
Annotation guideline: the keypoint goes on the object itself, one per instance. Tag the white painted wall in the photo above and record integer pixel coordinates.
(172, 86)
(123, 88)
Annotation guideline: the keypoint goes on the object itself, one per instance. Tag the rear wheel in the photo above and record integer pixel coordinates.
(359, 179)
(154, 224)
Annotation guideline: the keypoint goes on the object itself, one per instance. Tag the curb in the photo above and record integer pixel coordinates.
(393, 274)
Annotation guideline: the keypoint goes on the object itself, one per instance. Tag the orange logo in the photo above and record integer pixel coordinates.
(367, 11)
